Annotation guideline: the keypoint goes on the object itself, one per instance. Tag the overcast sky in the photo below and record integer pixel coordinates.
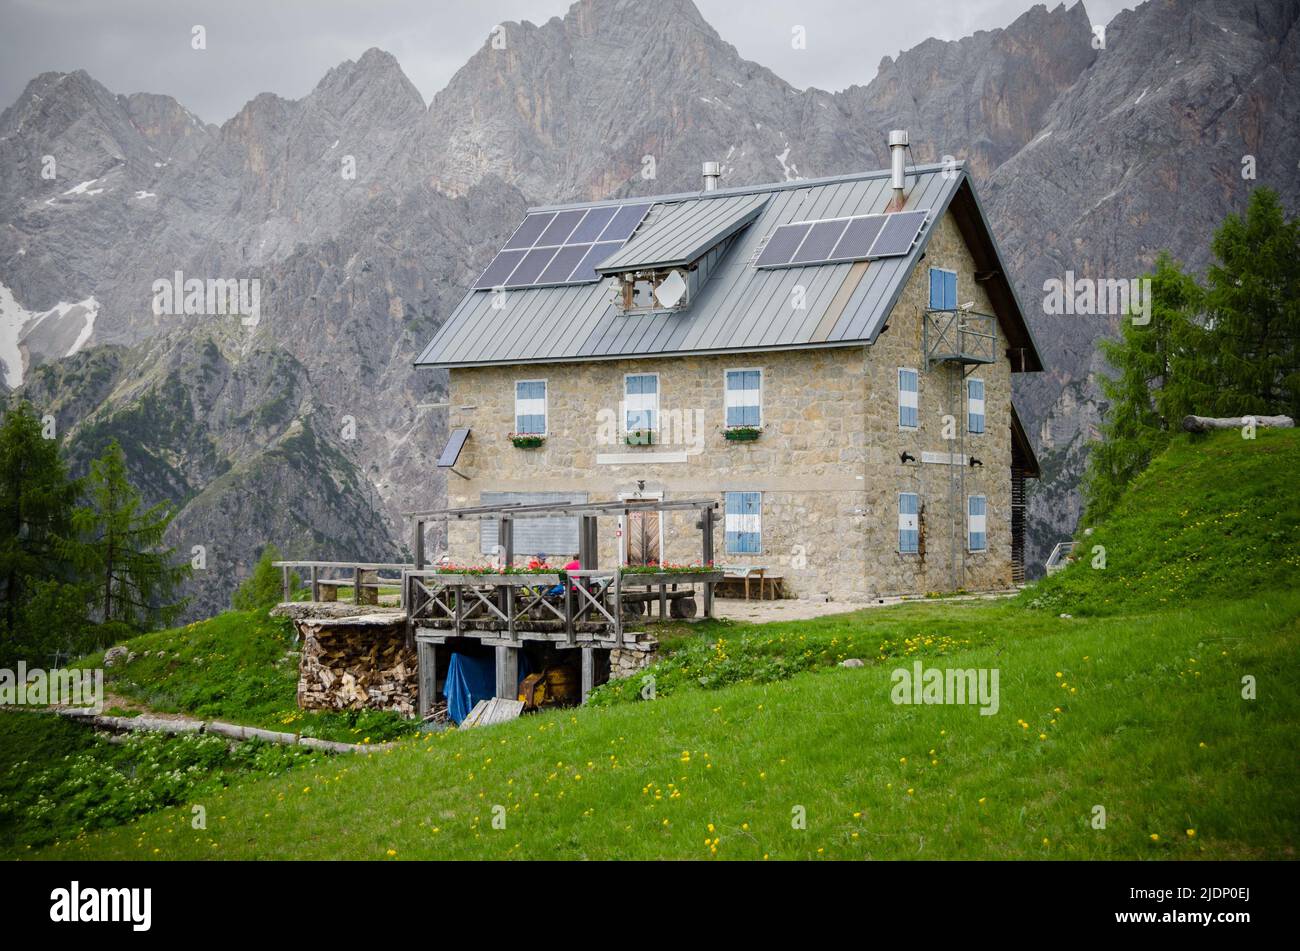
(285, 46)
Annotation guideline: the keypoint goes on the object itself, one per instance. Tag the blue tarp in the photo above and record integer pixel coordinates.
(471, 679)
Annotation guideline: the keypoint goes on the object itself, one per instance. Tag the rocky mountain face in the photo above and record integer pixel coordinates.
(1187, 108)
(362, 215)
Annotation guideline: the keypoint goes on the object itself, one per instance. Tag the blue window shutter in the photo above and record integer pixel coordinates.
(743, 523)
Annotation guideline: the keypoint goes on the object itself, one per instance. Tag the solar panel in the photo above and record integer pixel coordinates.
(899, 234)
(451, 451)
(856, 243)
(562, 265)
(526, 234)
(624, 223)
(500, 269)
(782, 245)
(821, 240)
(531, 266)
(561, 226)
(838, 240)
(586, 271)
(561, 247)
(593, 224)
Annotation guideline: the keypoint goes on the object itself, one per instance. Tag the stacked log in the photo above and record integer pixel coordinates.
(359, 663)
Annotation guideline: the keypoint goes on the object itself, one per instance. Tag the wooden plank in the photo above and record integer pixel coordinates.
(492, 711)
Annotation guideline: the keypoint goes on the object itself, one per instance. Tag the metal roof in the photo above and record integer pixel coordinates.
(738, 308)
(681, 232)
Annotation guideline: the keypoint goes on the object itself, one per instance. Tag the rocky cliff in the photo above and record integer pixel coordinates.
(362, 215)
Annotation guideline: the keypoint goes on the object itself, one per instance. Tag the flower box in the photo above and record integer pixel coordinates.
(527, 440)
(742, 433)
(641, 437)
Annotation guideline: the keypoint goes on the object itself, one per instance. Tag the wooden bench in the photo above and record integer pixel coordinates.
(681, 604)
(367, 591)
(745, 572)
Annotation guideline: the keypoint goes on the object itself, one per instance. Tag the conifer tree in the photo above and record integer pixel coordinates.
(36, 525)
(133, 576)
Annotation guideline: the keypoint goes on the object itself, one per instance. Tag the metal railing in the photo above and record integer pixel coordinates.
(960, 336)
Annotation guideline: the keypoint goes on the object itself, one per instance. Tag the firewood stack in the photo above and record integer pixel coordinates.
(348, 664)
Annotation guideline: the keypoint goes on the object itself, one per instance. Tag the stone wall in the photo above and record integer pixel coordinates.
(624, 662)
(827, 463)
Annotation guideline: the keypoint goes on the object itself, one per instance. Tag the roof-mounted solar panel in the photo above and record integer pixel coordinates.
(898, 234)
(593, 224)
(855, 243)
(585, 272)
(819, 243)
(839, 240)
(550, 248)
(624, 223)
(782, 245)
(526, 234)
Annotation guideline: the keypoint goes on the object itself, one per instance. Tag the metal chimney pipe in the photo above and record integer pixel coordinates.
(898, 143)
(712, 175)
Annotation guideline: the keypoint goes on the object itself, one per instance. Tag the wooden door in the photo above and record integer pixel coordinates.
(642, 538)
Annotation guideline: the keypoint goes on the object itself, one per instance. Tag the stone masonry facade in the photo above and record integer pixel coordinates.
(827, 463)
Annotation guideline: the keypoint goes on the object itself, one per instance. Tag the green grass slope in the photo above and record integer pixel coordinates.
(1142, 715)
(1120, 687)
(240, 666)
(1212, 517)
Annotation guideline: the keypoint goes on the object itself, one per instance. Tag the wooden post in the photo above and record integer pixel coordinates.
(287, 593)
(356, 584)
(588, 671)
(507, 672)
(706, 553)
(569, 631)
(588, 542)
(427, 655)
(506, 539)
(315, 583)
(618, 605)
(418, 551)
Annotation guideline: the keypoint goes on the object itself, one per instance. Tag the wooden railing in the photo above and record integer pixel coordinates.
(336, 574)
(557, 605)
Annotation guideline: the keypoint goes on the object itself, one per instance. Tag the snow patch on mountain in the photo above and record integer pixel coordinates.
(28, 337)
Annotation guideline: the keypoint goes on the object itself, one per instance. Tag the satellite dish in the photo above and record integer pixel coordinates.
(671, 290)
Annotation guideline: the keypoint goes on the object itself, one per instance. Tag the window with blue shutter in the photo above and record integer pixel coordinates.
(744, 398)
(530, 406)
(977, 523)
(744, 523)
(641, 401)
(975, 406)
(943, 289)
(909, 527)
(908, 398)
